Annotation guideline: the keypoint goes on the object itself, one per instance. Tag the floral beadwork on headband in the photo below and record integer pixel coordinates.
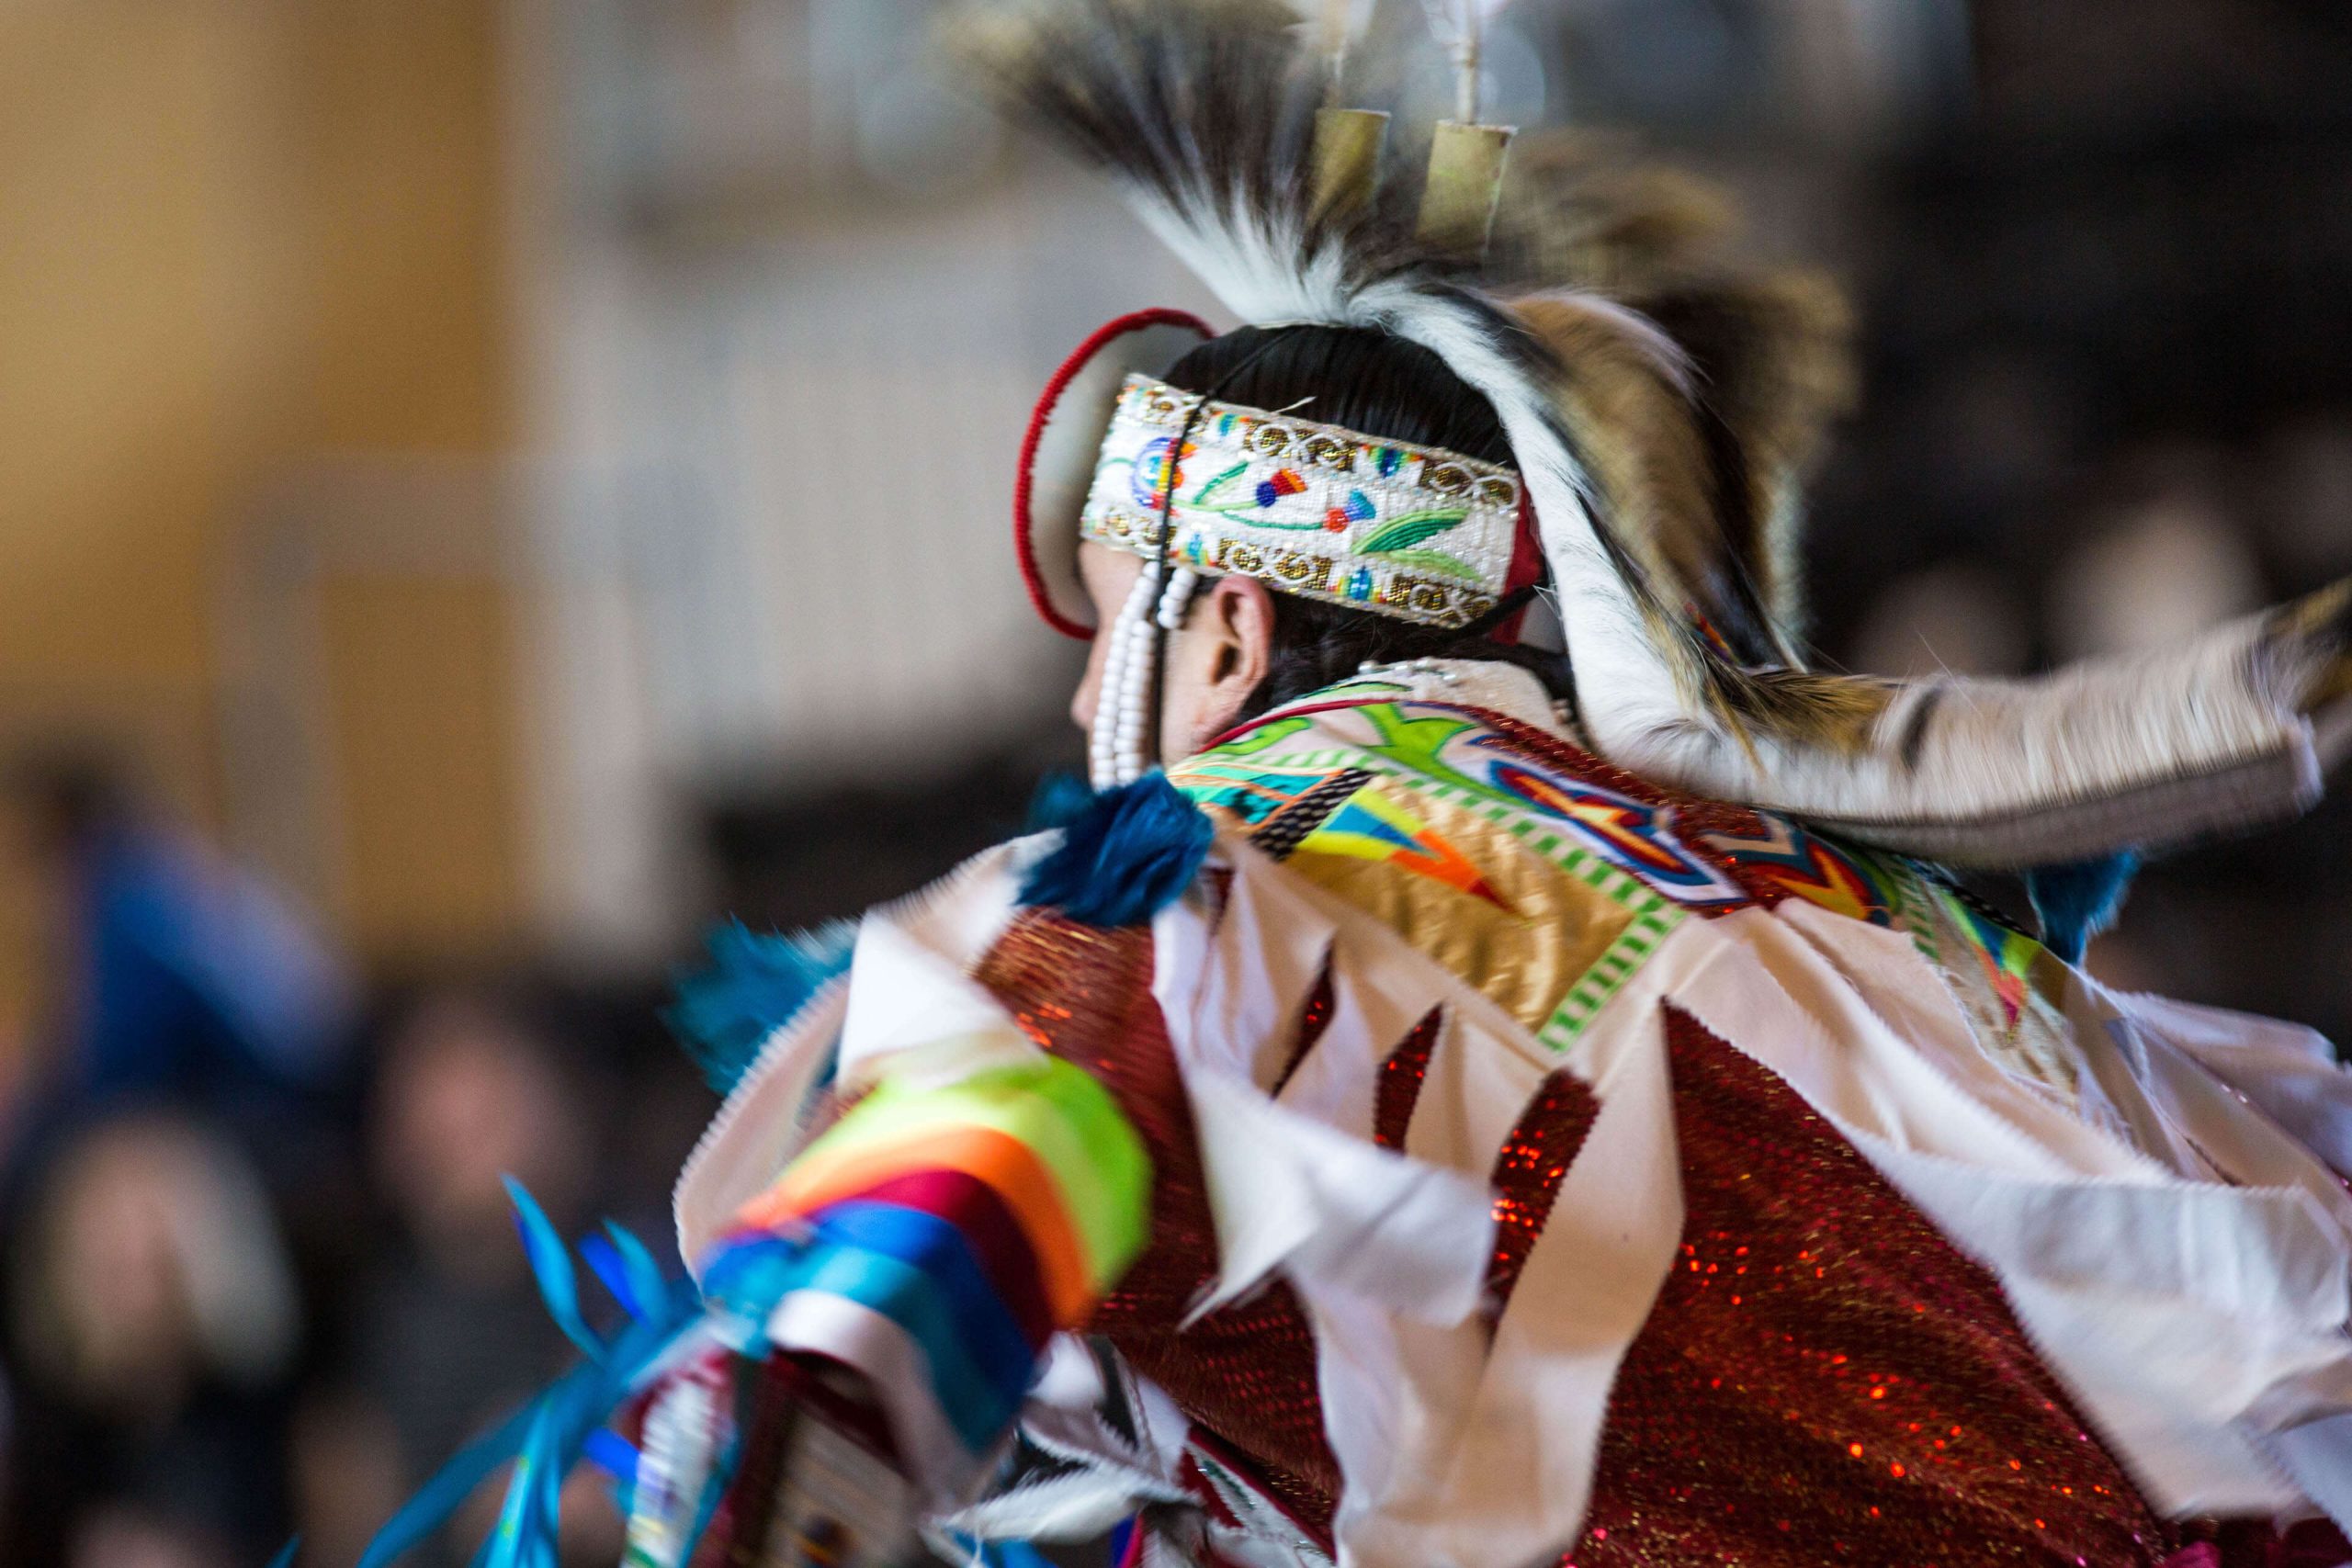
(1413, 532)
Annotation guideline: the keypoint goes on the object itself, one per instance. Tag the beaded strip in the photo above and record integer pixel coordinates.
(1418, 533)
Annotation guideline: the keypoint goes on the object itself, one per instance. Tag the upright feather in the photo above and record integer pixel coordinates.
(1336, 27)
(1459, 28)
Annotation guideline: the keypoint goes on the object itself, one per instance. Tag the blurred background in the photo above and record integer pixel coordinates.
(489, 486)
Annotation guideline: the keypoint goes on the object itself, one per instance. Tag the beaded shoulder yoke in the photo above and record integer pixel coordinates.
(1522, 860)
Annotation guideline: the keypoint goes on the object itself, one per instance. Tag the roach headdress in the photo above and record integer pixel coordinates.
(1661, 403)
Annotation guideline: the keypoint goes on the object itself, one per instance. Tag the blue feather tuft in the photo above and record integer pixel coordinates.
(1125, 856)
(285, 1559)
(1014, 1553)
(547, 1438)
(1061, 799)
(612, 1454)
(755, 984)
(2076, 901)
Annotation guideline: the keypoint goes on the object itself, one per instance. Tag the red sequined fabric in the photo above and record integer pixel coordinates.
(1313, 1020)
(1534, 1157)
(1402, 1073)
(1822, 1379)
(1825, 1379)
(1246, 1371)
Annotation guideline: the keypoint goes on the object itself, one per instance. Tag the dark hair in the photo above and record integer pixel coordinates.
(1375, 383)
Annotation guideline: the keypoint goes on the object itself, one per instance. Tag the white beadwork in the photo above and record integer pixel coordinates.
(1123, 748)
(1136, 690)
(1426, 665)
(1178, 597)
(1114, 752)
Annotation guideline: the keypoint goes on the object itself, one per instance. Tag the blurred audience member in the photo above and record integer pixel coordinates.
(122, 1538)
(154, 1319)
(2174, 563)
(182, 978)
(2305, 472)
(1957, 619)
(449, 1333)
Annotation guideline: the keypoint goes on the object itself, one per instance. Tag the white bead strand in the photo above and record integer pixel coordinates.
(1138, 748)
(1129, 653)
(1135, 696)
(1134, 750)
(1178, 600)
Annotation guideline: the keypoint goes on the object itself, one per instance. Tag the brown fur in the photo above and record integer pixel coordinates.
(1838, 712)
(1635, 434)
(1768, 361)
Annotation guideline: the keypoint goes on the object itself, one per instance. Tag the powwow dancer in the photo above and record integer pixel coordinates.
(1497, 1074)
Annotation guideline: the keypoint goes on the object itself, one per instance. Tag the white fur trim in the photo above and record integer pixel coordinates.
(2147, 751)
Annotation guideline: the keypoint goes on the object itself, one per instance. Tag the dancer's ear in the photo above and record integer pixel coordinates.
(1221, 656)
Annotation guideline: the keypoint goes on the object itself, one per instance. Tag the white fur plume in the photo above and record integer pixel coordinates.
(1627, 688)
(1203, 113)
(1265, 268)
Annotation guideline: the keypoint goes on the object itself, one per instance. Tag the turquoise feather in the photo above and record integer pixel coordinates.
(644, 1274)
(603, 1260)
(444, 1494)
(2076, 901)
(754, 985)
(551, 1266)
(548, 1437)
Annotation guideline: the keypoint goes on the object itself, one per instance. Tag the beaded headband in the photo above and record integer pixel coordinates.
(1414, 532)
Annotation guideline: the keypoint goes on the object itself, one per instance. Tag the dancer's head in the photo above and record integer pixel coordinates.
(1240, 647)
(1446, 392)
